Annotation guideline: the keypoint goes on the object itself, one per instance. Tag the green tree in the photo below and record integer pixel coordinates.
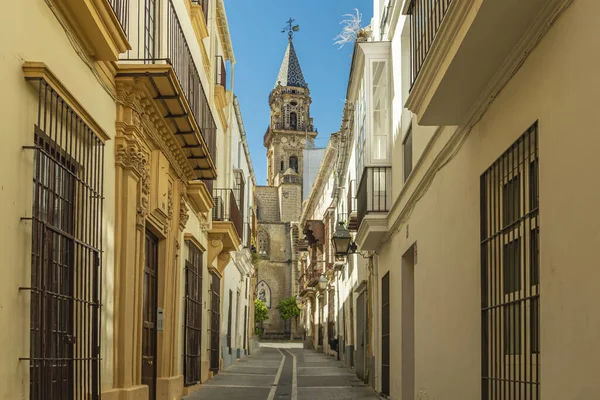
(261, 312)
(288, 309)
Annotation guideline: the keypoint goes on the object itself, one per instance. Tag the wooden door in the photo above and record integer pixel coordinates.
(361, 337)
(385, 334)
(215, 326)
(150, 314)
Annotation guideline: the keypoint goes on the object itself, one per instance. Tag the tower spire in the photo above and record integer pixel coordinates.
(290, 73)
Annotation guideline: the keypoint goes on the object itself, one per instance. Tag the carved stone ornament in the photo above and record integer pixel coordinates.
(183, 213)
(131, 157)
(170, 202)
(141, 215)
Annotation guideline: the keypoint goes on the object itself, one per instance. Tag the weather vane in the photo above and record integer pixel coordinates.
(290, 28)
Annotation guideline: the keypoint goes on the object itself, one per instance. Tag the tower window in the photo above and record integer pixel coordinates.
(282, 165)
(294, 163)
(293, 121)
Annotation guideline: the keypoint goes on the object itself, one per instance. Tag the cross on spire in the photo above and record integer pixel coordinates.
(290, 28)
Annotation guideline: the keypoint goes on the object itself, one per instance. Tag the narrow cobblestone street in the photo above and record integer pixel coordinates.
(283, 373)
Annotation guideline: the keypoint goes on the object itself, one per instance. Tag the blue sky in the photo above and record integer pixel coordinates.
(259, 46)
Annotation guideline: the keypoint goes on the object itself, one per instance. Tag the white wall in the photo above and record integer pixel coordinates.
(312, 162)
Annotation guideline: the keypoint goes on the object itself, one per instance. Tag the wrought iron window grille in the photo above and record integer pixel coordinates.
(66, 253)
(510, 294)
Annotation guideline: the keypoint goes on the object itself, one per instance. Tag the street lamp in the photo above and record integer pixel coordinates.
(322, 283)
(342, 241)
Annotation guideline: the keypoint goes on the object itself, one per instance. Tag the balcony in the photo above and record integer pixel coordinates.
(101, 25)
(226, 211)
(162, 65)
(314, 272)
(462, 50)
(314, 232)
(374, 200)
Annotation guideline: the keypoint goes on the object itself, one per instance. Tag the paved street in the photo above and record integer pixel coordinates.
(285, 373)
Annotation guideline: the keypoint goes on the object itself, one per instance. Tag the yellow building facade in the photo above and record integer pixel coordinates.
(114, 276)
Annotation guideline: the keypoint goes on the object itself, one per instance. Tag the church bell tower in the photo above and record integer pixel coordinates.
(291, 127)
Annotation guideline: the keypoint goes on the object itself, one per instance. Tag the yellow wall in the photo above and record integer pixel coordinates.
(30, 32)
(559, 86)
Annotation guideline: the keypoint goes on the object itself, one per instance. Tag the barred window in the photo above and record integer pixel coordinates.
(510, 273)
(193, 315)
(66, 264)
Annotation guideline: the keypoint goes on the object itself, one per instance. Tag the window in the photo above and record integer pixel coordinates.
(66, 252)
(407, 152)
(379, 103)
(512, 266)
(361, 129)
(293, 121)
(282, 165)
(193, 315)
(294, 163)
(510, 272)
(511, 197)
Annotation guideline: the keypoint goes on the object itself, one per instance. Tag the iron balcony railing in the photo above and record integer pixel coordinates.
(121, 9)
(315, 270)
(226, 209)
(221, 72)
(374, 191)
(204, 5)
(159, 39)
(426, 17)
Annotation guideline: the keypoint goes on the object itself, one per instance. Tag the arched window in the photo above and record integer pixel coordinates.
(282, 165)
(263, 243)
(294, 163)
(293, 121)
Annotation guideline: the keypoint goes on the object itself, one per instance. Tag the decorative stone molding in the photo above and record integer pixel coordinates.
(183, 208)
(170, 203)
(141, 215)
(132, 93)
(35, 71)
(222, 261)
(215, 246)
(129, 156)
